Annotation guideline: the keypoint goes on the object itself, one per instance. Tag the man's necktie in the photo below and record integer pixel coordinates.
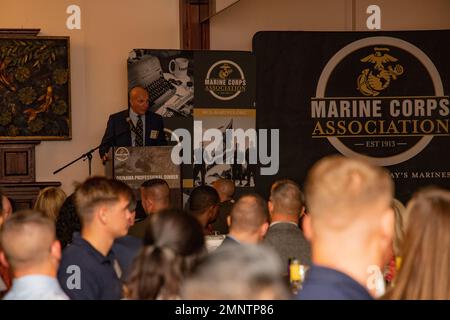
(139, 133)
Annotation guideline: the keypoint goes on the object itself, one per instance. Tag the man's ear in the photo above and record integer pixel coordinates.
(264, 229)
(55, 250)
(307, 228)
(387, 228)
(302, 212)
(229, 221)
(270, 207)
(102, 214)
(150, 205)
(3, 260)
(212, 215)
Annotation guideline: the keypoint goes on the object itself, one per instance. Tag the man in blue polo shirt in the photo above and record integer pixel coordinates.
(350, 227)
(89, 269)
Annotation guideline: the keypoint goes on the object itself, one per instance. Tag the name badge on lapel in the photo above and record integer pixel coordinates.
(154, 134)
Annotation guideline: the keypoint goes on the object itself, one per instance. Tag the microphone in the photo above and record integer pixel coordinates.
(131, 124)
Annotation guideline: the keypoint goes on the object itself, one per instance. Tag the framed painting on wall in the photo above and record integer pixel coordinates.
(35, 88)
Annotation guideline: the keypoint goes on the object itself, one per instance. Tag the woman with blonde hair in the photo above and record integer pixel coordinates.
(49, 201)
(424, 271)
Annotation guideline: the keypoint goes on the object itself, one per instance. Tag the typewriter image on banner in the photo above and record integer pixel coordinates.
(170, 95)
(147, 73)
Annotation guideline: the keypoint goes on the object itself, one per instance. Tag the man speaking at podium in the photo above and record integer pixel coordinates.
(134, 127)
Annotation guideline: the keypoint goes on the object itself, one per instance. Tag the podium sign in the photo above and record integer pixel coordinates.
(134, 165)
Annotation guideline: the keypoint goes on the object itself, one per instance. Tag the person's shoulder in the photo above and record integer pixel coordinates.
(332, 291)
(284, 227)
(128, 241)
(119, 115)
(227, 242)
(154, 116)
(75, 253)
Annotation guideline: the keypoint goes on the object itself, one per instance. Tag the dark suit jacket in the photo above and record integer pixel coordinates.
(227, 243)
(118, 133)
(288, 241)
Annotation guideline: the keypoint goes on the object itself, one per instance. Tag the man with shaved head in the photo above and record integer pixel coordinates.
(249, 220)
(136, 126)
(225, 188)
(350, 225)
(155, 197)
(284, 235)
(5, 208)
(32, 252)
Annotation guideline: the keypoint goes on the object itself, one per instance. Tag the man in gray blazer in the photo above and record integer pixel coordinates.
(285, 208)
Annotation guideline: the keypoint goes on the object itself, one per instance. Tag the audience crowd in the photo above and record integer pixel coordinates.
(344, 236)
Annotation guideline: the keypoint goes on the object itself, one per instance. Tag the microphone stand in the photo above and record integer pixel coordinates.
(84, 156)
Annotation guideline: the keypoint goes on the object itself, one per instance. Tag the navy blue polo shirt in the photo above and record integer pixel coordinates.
(85, 274)
(323, 283)
(125, 249)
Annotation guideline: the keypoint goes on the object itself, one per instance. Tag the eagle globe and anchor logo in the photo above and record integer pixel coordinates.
(225, 80)
(372, 82)
(122, 154)
(375, 122)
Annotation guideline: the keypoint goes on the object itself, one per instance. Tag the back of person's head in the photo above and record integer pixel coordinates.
(245, 272)
(424, 271)
(173, 244)
(225, 188)
(155, 195)
(203, 201)
(202, 198)
(286, 198)
(67, 222)
(343, 192)
(249, 215)
(99, 191)
(49, 201)
(28, 241)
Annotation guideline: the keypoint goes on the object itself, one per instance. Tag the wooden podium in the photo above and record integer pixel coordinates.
(135, 165)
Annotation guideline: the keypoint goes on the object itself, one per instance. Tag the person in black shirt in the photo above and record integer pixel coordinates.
(351, 226)
(89, 270)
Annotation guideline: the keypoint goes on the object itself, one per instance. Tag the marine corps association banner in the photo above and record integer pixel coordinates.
(214, 89)
(381, 95)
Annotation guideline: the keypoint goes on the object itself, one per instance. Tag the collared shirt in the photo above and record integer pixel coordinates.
(228, 242)
(134, 118)
(233, 238)
(35, 287)
(278, 222)
(86, 274)
(323, 283)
